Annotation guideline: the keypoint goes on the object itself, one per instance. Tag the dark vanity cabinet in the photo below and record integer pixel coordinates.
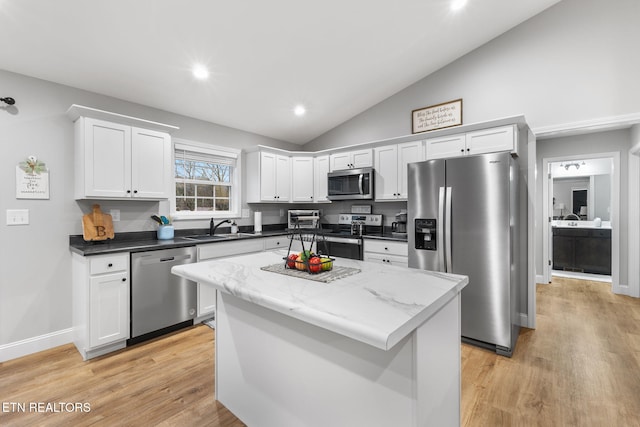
(586, 250)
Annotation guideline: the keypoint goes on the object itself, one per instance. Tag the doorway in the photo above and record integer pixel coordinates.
(585, 200)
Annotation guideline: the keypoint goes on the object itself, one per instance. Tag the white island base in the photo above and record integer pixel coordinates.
(273, 370)
(379, 348)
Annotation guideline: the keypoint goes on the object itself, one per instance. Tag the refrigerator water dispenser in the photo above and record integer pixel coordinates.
(426, 235)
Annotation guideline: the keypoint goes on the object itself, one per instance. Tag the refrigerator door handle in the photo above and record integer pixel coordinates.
(447, 230)
(441, 249)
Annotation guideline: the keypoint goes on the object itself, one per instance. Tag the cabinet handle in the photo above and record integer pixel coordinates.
(462, 150)
(110, 265)
(128, 191)
(124, 279)
(468, 149)
(386, 249)
(135, 191)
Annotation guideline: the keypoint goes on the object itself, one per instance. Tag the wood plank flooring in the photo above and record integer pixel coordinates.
(580, 367)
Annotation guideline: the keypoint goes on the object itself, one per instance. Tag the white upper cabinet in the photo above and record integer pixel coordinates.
(446, 146)
(320, 181)
(118, 161)
(391, 169)
(482, 141)
(492, 140)
(269, 177)
(351, 159)
(302, 179)
(151, 165)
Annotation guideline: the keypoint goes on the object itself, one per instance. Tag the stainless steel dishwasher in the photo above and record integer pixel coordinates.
(160, 301)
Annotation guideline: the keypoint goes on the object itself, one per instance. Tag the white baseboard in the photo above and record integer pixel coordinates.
(33, 345)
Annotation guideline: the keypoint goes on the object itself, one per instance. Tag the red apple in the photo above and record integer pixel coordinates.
(291, 260)
(315, 264)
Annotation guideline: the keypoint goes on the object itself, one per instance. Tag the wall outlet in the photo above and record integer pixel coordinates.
(115, 214)
(281, 213)
(17, 216)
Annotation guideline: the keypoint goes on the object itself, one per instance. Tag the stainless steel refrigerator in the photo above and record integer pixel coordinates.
(465, 216)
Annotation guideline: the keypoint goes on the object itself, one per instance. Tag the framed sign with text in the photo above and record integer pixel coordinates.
(32, 179)
(439, 116)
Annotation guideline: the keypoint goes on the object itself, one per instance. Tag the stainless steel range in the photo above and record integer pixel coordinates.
(345, 240)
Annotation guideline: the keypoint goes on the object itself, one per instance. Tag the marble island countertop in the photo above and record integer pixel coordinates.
(379, 306)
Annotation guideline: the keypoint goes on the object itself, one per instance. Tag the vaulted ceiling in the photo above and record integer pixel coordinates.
(337, 58)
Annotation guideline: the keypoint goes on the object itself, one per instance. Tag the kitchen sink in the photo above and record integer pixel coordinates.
(230, 235)
(206, 237)
(221, 236)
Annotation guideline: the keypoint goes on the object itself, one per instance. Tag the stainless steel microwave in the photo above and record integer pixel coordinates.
(351, 184)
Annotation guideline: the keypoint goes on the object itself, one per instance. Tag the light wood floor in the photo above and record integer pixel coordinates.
(580, 367)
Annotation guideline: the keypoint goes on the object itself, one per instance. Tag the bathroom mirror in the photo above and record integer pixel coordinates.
(588, 197)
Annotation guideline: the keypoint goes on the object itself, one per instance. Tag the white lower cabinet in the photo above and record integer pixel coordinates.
(207, 294)
(100, 303)
(386, 252)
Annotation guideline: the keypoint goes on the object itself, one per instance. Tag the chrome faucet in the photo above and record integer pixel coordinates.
(212, 228)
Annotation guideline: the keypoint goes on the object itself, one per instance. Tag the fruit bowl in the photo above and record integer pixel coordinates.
(313, 264)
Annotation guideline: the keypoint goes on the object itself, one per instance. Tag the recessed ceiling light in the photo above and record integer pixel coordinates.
(299, 110)
(458, 4)
(200, 72)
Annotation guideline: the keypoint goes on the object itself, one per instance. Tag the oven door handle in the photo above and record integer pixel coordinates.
(343, 240)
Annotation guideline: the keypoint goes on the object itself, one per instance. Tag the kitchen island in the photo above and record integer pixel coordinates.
(376, 348)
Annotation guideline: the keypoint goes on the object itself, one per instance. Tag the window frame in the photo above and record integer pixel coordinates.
(235, 194)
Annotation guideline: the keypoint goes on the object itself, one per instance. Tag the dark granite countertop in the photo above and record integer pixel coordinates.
(140, 241)
(386, 236)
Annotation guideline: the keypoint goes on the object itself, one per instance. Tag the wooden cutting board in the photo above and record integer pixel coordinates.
(97, 225)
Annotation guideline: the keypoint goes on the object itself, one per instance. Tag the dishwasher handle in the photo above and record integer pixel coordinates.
(146, 260)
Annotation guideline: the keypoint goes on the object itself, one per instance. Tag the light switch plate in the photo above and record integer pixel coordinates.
(17, 216)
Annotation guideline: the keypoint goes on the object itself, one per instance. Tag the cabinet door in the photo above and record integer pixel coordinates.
(362, 158)
(268, 166)
(446, 146)
(283, 178)
(151, 166)
(302, 179)
(340, 161)
(408, 152)
(206, 299)
(387, 259)
(563, 252)
(320, 171)
(386, 170)
(491, 140)
(107, 159)
(108, 308)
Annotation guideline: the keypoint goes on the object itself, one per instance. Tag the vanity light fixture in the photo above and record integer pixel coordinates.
(200, 72)
(299, 110)
(568, 165)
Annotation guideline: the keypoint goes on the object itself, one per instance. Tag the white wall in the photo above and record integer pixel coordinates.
(35, 265)
(573, 62)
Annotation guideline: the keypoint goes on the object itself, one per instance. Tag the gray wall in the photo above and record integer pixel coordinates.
(35, 265)
(601, 142)
(570, 63)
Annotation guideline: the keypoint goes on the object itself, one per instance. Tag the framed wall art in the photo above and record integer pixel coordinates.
(32, 179)
(439, 116)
